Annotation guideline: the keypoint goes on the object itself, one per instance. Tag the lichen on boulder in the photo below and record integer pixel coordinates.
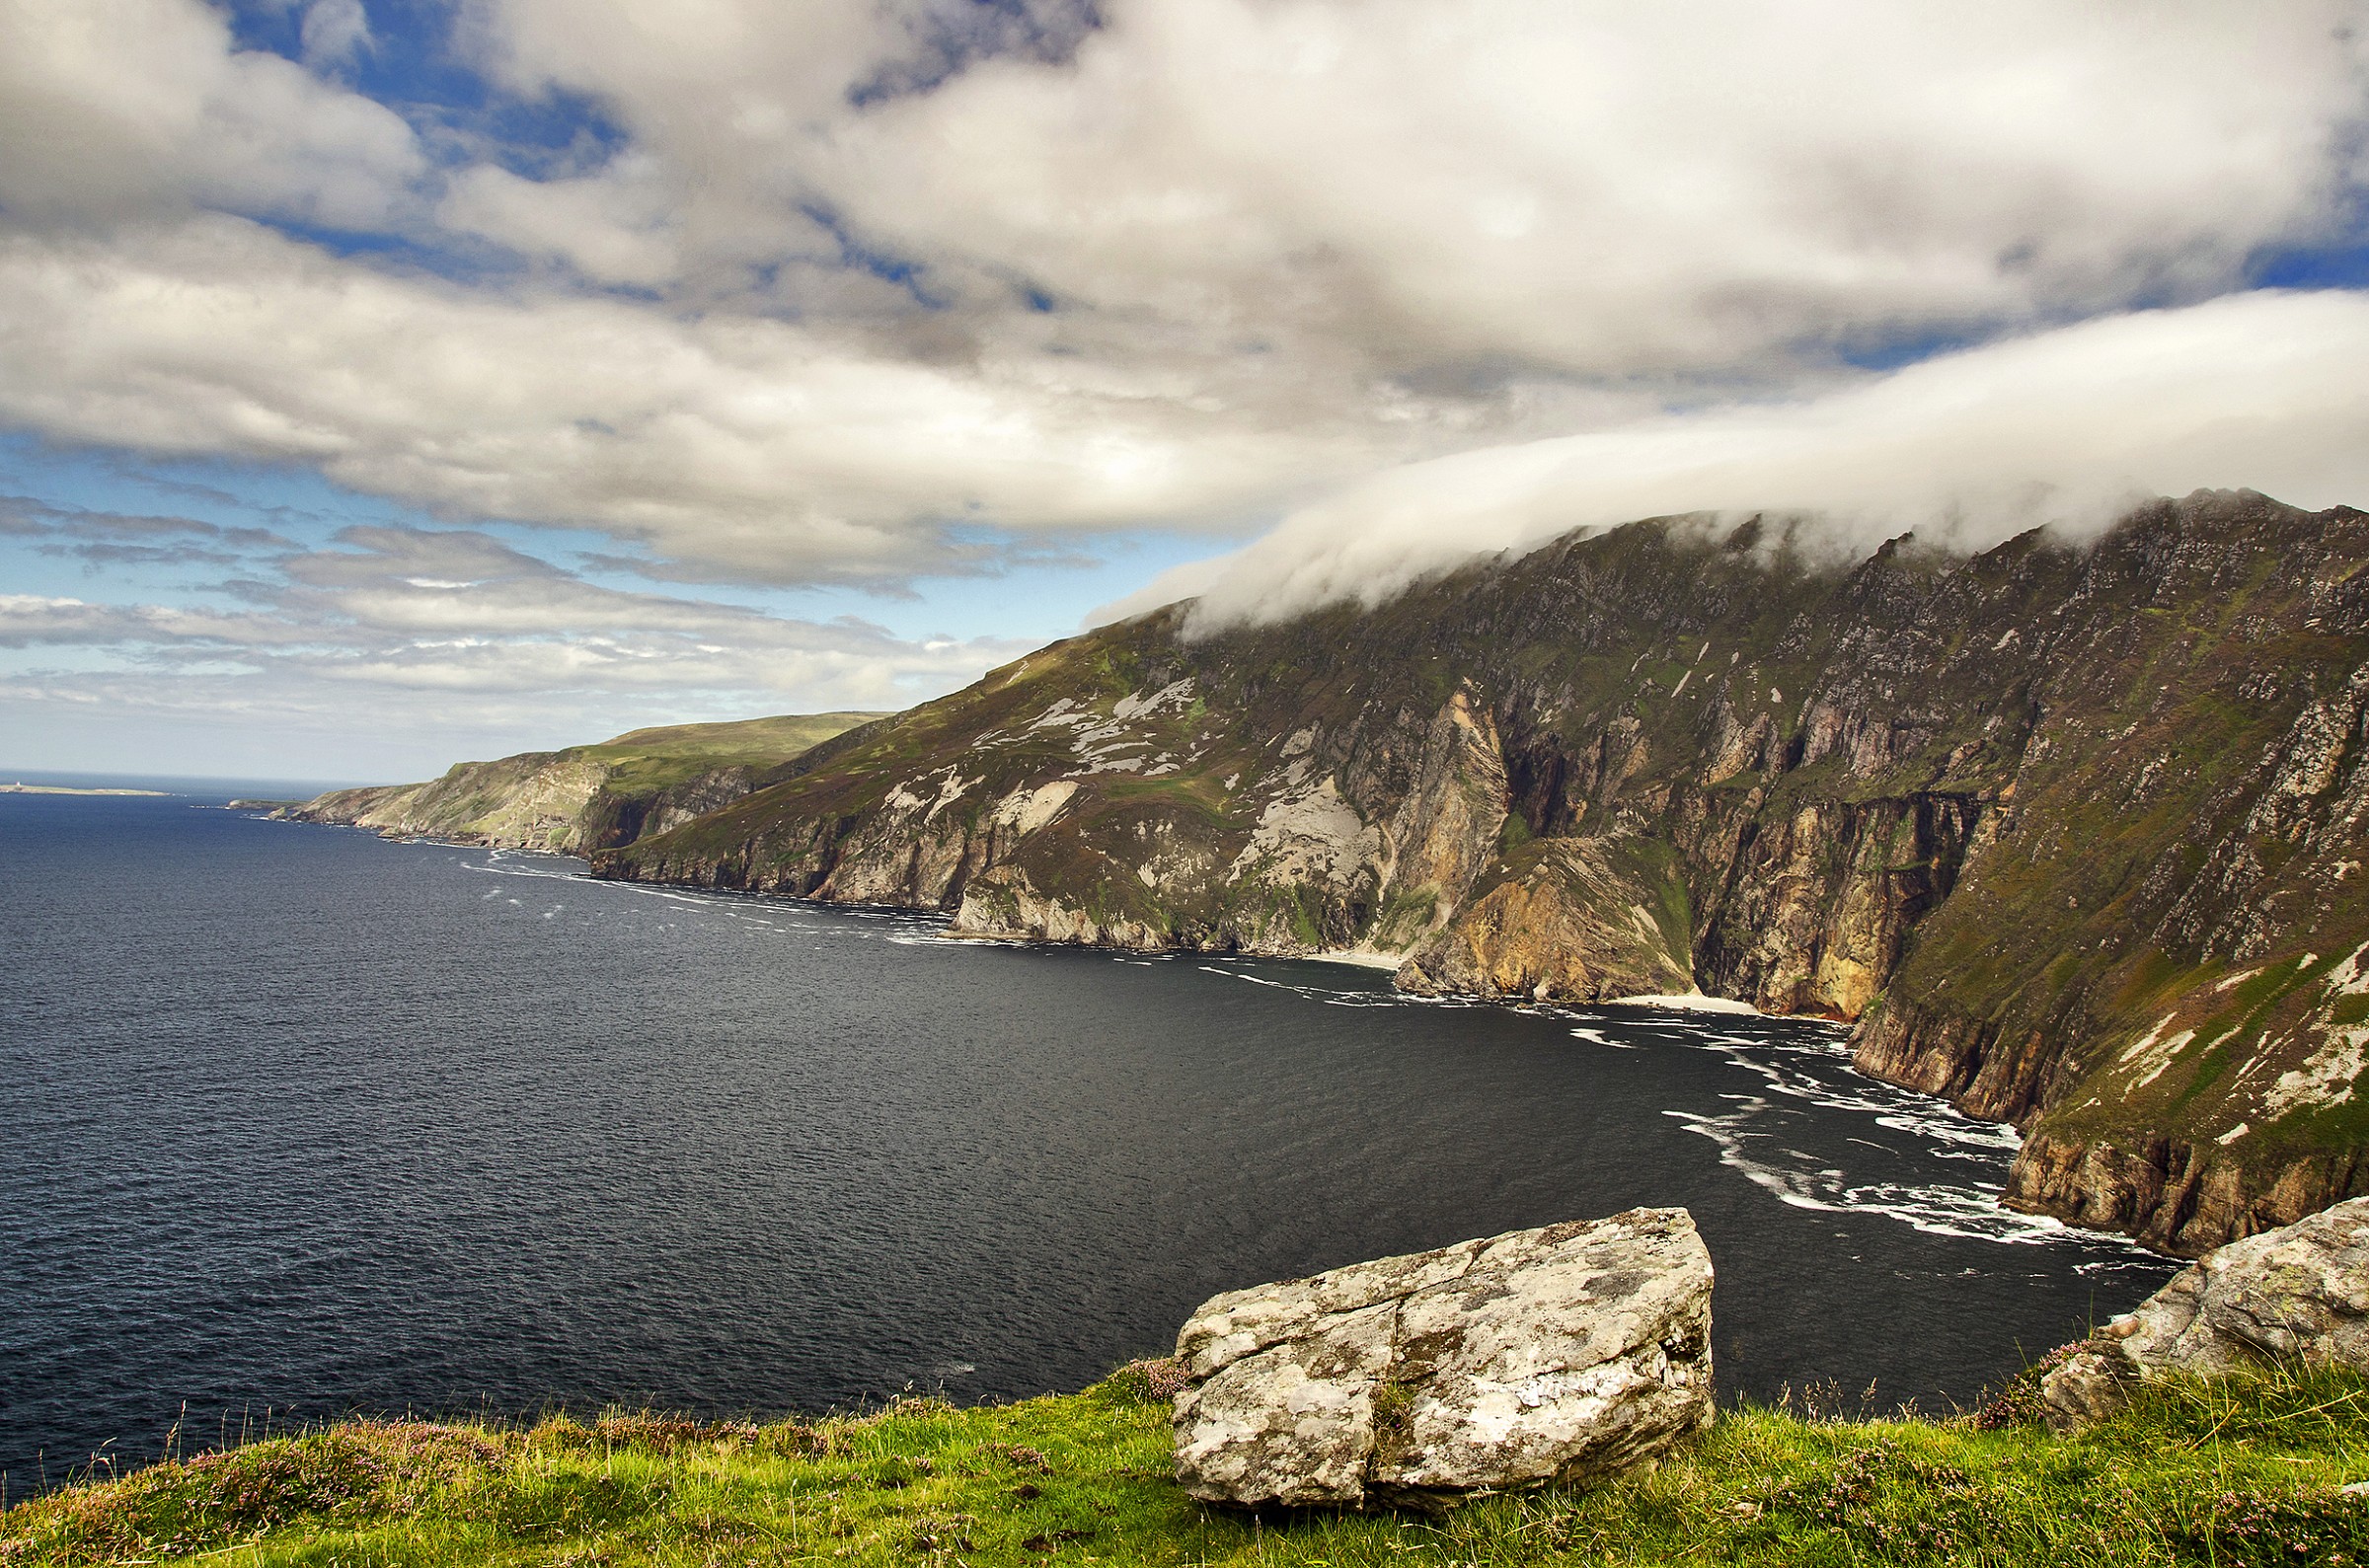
(1567, 1353)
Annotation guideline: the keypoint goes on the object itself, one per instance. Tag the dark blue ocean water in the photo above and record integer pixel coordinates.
(294, 1119)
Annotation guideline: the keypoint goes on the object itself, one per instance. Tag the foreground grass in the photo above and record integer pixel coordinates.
(2242, 1471)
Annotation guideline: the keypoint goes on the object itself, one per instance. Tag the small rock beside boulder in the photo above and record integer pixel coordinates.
(1566, 1353)
(2299, 1292)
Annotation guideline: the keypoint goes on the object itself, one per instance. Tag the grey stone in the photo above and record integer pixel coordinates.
(1566, 1353)
(2299, 1292)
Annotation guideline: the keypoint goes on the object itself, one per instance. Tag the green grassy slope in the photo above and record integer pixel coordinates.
(587, 797)
(670, 753)
(2238, 1471)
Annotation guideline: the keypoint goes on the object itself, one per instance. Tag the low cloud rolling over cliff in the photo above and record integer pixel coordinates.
(2065, 429)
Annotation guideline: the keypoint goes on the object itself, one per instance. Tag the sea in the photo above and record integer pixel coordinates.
(298, 1123)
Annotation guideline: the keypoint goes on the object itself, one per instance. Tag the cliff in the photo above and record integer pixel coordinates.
(2069, 830)
(587, 797)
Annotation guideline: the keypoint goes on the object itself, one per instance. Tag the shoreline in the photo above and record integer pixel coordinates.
(1356, 959)
(1689, 1001)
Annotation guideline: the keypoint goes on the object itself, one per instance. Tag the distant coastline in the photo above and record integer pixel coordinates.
(61, 789)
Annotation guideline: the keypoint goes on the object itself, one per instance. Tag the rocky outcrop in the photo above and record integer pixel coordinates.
(2296, 1294)
(1566, 920)
(1569, 1353)
(2175, 1195)
(531, 801)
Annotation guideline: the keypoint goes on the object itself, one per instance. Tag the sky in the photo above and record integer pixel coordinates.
(386, 382)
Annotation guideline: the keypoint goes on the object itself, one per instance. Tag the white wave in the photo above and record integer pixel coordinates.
(1819, 1072)
(1324, 993)
(1802, 1181)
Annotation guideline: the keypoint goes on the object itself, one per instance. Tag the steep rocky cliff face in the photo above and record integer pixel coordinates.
(588, 798)
(2071, 831)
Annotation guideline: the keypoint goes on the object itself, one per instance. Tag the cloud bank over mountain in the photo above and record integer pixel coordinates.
(2064, 429)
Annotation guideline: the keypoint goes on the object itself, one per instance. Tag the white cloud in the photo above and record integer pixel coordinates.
(1282, 243)
(27, 620)
(1604, 187)
(613, 227)
(334, 32)
(746, 445)
(128, 109)
(290, 723)
(362, 637)
(835, 287)
(2260, 391)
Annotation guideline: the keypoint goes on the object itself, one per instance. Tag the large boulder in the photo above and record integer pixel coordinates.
(1566, 1353)
(2299, 1292)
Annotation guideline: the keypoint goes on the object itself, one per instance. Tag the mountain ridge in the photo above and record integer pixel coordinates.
(2061, 827)
(582, 799)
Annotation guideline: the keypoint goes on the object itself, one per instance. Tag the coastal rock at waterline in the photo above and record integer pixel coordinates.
(2299, 1292)
(1566, 1353)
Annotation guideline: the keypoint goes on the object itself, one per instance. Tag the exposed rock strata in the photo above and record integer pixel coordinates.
(531, 801)
(2072, 831)
(1566, 1353)
(2296, 1294)
(1565, 920)
(2175, 1196)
